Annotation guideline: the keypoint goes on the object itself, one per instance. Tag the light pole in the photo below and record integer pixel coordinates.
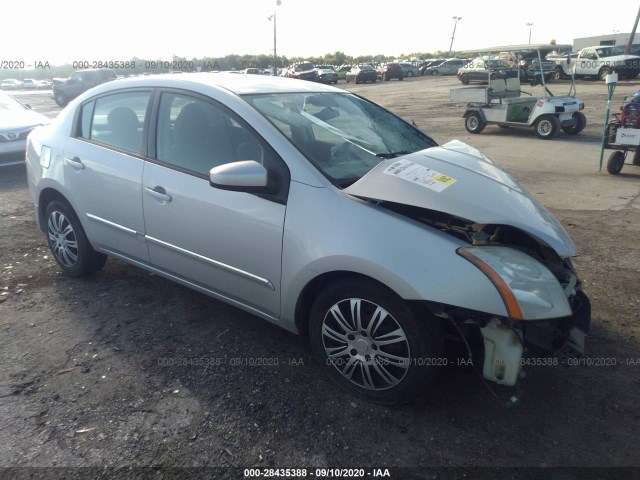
(275, 54)
(453, 35)
(529, 24)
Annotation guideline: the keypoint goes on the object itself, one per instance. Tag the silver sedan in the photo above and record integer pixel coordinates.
(316, 210)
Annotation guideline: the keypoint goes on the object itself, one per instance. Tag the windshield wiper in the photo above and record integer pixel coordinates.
(391, 154)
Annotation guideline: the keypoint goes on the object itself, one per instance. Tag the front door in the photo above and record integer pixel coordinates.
(228, 243)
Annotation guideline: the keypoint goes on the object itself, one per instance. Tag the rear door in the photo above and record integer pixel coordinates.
(103, 162)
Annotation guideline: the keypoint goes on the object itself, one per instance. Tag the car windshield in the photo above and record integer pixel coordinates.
(342, 135)
(9, 104)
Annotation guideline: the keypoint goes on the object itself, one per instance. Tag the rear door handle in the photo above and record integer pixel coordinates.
(158, 193)
(75, 162)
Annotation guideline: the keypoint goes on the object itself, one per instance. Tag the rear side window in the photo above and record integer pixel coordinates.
(116, 120)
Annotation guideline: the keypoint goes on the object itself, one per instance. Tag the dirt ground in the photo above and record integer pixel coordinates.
(126, 369)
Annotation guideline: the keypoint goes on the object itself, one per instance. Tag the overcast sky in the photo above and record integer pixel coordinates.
(68, 30)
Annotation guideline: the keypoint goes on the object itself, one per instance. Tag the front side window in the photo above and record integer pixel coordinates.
(116, 120)
(196, 135)
(342, 135)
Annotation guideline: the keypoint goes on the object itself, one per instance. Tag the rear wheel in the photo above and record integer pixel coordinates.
(603, 73)
(69, 243)
(464, 78)
(581, 122)
(615, 162)
(474, 123)
(371, 344)
(558, 73)
(547, 126)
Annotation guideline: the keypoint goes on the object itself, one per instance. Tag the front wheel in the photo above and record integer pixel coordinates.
(371, 344)
(615, 162)
(434, 72)
(464, 78)
(581, 122)
(474, 123)
(547, 126)
(69, 243)
(603, 73)
(60, 99)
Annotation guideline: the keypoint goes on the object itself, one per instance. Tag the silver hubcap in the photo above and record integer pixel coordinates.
(365, 344)
(544, 127)
(62, 239)
(472, 123)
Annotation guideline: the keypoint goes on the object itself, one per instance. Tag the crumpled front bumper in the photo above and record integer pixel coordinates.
(510, 347)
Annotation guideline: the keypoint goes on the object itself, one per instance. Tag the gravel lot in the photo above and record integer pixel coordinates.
(126, 369)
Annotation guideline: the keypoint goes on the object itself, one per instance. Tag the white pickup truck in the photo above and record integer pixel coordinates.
(597, 62)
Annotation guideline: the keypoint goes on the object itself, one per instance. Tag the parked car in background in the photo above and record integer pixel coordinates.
(327, 74)
(303, 71)
(390, 70)
(344, 223)
(342, 71)
(448, 67)
(409, 69)
(483, 69)
(29, 84)
(10, 84)
(362, 74)
(430, 63)
(79, 82)
(44, 84)
(252, 71)
(17, 120)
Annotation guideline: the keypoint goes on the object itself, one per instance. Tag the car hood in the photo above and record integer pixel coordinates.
(457, 179)
(15, 119)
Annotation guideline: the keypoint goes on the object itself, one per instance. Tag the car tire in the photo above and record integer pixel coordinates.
(581, 122)
(558, 73)
(369, 342)
(409, 73)
(385, 77)
(464, 78)
(636, 158)
(474, 123)
(602, 75)
(434, 72)
(60, 99)
(615, 162)
(69, 243)
(547, 126)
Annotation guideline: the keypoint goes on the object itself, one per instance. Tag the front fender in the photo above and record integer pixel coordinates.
(352, 235)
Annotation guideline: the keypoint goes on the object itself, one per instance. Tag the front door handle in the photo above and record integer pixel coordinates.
(158, 193)
(75, 162)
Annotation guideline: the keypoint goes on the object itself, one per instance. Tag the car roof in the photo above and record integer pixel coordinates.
(238, 84)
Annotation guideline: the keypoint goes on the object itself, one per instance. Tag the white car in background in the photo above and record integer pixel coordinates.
(16, 122)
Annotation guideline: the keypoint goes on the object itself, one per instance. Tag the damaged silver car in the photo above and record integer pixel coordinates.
(316, 210)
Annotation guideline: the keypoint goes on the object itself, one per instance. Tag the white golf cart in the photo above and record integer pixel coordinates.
(502, 103)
